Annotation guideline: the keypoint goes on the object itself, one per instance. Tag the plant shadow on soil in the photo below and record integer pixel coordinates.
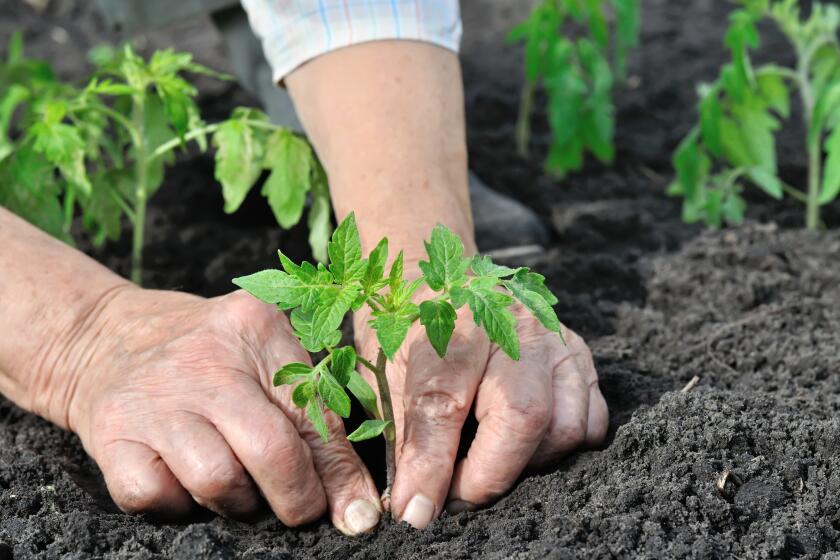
(753, 311)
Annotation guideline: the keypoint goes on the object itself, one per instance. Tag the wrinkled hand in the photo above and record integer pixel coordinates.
(531, 412)
(176, 404)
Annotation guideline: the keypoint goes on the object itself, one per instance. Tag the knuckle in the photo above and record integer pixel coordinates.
(217, 479)
(569, 435)
(439, 406)
(274, 447)
(135, 497)
(528, 419)
(243, 312)
(335, 425)
(305, 514)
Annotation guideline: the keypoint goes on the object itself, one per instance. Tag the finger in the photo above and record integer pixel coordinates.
(351, 494)
(513, 409)
(437, 397)
(207, 468)
(139, 481)
(570, 414)
(269, 447)
(599, 417)
(352, 497)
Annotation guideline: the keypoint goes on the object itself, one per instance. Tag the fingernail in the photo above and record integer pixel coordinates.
(361, 516)
(460, 506)
(419, 512)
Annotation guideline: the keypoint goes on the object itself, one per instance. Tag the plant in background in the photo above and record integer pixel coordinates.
(105, 147)
(734, 143)
(319, 297)
(576, 55)
(35, 197)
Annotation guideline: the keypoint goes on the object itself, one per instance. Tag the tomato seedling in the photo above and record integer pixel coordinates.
(573, 51)
(734, 142)
(105, 147)
(319, 297)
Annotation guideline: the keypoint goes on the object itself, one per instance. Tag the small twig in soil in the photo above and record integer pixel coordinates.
(726, 483)
(691, 384)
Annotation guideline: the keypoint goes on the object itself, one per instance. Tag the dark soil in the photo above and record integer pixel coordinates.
(752, 311)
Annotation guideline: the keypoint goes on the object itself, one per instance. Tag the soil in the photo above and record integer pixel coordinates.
(752, 311)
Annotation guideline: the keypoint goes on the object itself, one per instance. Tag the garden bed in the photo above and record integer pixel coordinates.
(754, 312)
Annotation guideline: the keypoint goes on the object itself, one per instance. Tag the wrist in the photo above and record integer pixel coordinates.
(73, 355)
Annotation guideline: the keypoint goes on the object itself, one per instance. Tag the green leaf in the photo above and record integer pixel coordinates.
(238, 161)
(345, 251)
(316, 416)
(392, 327)
(692, 166)
(597, 23)
(101, 212)
(711, 114)
(320, 226)
(177, 97)
(343, 363)
(529, 289)
(831, 176)
(735, 149)
(291, 373)
(767, 182)
(756, 126)
(289, 159)
(395, 278)
(64, 148)
(333, 394)
(330, 311)
(272, 286)
(489, 309)
(733, 208)
(627, 18)
(376, 266)
(14, 53)
(304, 328)
(484, 266)
(405, 291)
(363, 393)
(446, 265)
(714, 208)
(439, 319)
(369, 429)
(35, 197)
(774, 90)
(303, 393)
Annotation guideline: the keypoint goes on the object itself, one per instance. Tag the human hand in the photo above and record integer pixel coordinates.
(531, 412)
(175, 403)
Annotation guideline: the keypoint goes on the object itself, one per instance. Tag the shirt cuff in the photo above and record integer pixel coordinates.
(295, 31)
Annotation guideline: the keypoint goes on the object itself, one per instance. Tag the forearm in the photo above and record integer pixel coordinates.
(50, 296)
(387, 120)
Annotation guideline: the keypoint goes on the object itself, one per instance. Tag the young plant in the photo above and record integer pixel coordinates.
(24, 83)
(576, 55)
(734, 142)
(105, 147)
(319, 297)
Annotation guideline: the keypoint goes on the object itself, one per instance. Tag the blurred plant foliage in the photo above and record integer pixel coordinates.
(102, 150)
(575, 53)
(734, 145)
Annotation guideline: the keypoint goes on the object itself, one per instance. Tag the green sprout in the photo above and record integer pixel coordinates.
(319, 297)
(573, 51)
(734, 142)
(104, 148)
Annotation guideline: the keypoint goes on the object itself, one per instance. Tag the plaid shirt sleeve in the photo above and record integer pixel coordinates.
(294, 31)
